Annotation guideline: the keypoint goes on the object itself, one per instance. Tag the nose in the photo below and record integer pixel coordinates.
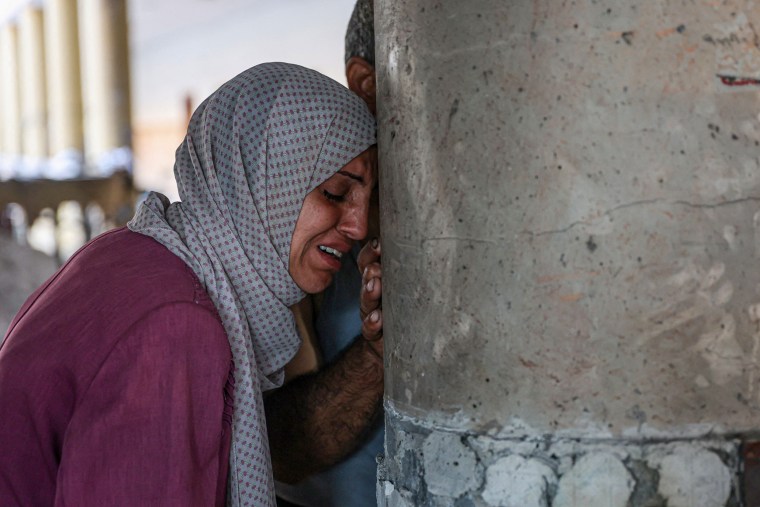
(354, 219)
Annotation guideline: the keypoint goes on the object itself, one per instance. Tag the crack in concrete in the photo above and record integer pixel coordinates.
(418, 246)
(718, 204)
(456, 238)
(642, 202)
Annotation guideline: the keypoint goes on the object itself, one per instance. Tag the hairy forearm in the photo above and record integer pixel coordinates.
(317, 420)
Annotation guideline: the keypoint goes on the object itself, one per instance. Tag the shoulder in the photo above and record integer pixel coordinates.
(114, 278)
(131, 260)
(169, 311)
(118, 283)
(181, 332)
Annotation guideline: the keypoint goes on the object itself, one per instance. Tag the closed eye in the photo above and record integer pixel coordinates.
(333, 197)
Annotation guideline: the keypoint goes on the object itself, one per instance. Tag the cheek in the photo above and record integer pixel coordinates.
(307, 226)
(299, 232)
(321, 216)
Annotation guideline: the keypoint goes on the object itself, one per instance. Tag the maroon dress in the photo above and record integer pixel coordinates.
(116, 384)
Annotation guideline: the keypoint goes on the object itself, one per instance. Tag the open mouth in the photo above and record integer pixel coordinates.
(331, 251)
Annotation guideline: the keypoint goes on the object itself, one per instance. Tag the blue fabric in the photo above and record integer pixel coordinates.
(352, 482)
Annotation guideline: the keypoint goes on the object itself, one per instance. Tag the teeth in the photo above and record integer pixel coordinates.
(331, 251)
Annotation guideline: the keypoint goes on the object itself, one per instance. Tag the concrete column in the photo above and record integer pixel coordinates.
(10, 100)
(105, 54)
(64, 88)
(571, 240)
(34, 137)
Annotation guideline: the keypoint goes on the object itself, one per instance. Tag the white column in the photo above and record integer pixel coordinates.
(34, 138)
(64, 89)
(105, 63)
(3, 174)
(9, 100)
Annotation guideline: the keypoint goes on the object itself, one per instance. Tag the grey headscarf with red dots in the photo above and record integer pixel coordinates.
(253, 150)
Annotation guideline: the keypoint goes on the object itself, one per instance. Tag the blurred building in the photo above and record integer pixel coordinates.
(65, 134)
(65, 92)
(95, 96)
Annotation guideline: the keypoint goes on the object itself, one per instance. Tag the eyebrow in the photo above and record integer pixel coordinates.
(351, 175)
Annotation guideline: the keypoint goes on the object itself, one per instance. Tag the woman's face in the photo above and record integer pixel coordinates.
(333, 216)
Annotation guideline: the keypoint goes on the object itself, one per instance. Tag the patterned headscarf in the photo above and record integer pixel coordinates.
(253, 150)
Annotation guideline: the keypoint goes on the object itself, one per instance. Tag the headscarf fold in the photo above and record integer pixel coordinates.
(253, 150)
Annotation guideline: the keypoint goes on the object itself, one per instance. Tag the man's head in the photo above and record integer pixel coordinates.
(360, 52)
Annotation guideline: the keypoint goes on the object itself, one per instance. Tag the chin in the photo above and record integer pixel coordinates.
(316, 285)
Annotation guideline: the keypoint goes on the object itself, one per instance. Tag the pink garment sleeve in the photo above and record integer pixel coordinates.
(151, 429)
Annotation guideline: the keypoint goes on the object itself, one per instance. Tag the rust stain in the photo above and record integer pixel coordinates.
(738, 81)
(571, 298)
(527, 363)
(666, 32)
(578, 275)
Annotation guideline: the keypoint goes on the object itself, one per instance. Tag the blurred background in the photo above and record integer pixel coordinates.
(95, 96)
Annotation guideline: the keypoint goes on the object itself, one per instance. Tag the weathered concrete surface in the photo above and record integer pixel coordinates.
(553, 471)
(444, 454)
(514, 481)
(596, 480)
(571, 220)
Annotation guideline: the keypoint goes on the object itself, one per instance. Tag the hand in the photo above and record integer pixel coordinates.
(370, 297)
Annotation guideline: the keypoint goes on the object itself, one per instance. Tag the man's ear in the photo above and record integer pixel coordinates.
(361, 80)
